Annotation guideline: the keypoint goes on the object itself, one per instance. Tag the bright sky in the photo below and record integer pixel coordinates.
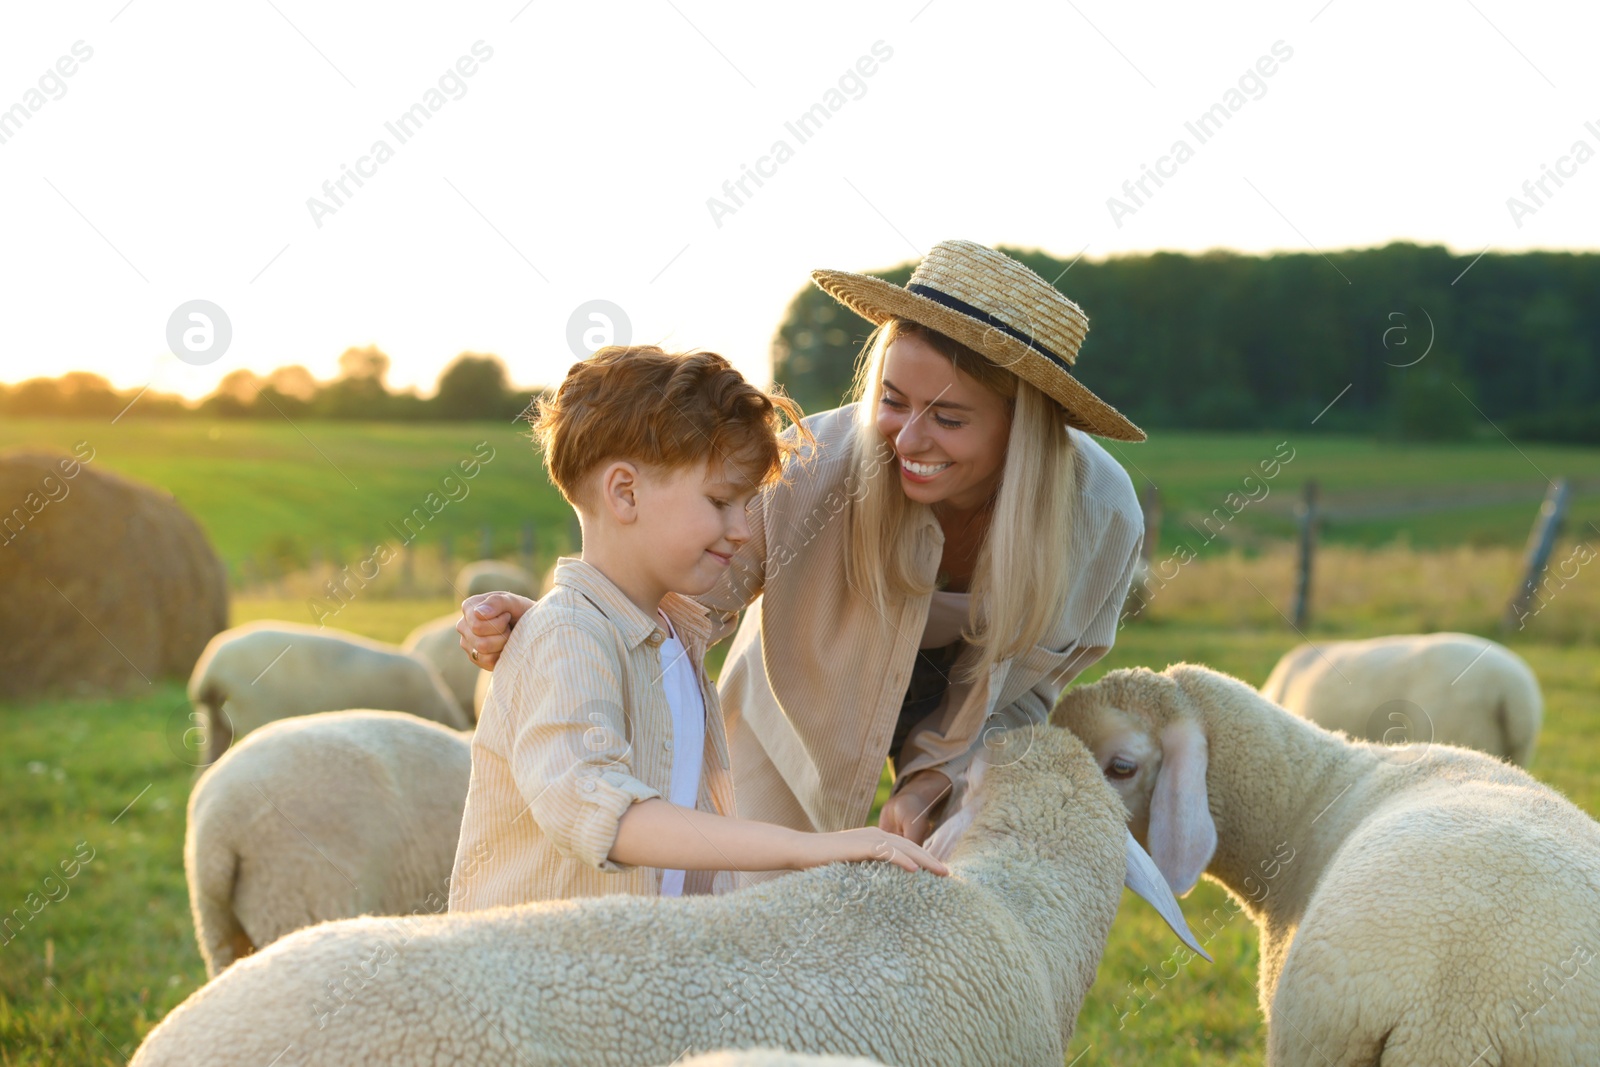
(576, 161)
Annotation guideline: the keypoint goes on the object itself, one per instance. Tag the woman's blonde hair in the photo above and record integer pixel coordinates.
(1024, 570)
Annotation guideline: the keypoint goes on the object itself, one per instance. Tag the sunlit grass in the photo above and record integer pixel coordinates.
(86, 977)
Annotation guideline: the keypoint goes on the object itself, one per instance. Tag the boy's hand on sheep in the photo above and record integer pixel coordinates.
(486, 622)
(869, 843)
(655, 833)
(909, 812)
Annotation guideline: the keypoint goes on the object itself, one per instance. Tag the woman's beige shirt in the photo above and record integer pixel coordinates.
(575, 728)
(814, 680)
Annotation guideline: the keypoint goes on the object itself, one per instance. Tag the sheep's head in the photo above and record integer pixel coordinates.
(1043, 782)
(1147, 733)
(1018, 770)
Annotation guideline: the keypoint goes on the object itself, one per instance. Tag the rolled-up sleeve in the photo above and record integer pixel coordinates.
(568, 747)
(1032, 707)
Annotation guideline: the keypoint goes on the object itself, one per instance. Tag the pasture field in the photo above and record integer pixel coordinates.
(93, 971)
(275, 491)
(1421, 538)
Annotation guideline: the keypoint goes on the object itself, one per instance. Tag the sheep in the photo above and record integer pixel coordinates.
(437, 644)
(322, 817)
(253, 674)
(770, 1057)
(1448, 687)
(1413, 902)
(861, 959)
(488, 575)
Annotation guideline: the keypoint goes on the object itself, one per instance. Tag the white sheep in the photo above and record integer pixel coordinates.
(488, 575)
(437, 644)
(323, 817)
(1415, 903)
(252, 674)
(770, 1057)
(1453, 688)
(986, 966)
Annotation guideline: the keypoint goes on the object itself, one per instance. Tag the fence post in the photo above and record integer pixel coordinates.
(1306, 512)
(1541, 540)
(527, 547)
(487, 544)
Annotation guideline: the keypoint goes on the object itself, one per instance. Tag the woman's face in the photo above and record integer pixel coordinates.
(952, 429)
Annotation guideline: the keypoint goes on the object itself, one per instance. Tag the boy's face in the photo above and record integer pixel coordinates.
(692, 520)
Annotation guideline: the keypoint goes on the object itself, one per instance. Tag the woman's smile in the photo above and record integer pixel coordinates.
(921, 472)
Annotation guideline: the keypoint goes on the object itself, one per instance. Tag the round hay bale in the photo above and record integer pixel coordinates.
(493, 575)
(109, 583)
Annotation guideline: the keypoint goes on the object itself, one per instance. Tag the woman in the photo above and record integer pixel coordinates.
(951, 553)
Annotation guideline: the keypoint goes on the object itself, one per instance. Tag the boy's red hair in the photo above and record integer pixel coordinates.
(664, 411)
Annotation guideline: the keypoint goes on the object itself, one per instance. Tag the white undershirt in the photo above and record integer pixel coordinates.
(947, 614)
(682, 686)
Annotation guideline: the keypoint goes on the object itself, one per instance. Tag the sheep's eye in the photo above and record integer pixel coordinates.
(1121, 767)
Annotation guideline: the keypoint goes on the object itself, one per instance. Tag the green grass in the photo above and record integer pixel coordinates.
(90, 973)
(95, 969)
(264, 489)
(385, 620)
(267, 489)
(98, 967)
(88, 976)
(1374, 491)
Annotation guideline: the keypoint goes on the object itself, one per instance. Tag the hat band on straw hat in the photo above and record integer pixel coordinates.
(957, 304)
(999, 308)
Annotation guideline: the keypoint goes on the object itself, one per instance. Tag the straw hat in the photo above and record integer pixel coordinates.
(998, 308)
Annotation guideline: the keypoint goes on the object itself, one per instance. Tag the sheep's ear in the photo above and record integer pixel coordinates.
(1182, 835)
(1145, 878)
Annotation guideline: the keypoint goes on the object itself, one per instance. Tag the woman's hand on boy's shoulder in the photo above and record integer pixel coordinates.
(486, 622)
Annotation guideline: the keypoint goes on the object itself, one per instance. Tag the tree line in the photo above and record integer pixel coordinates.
(471, 387)
(1405, 340)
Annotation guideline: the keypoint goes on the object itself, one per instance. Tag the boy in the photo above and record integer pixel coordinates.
(599, 763)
